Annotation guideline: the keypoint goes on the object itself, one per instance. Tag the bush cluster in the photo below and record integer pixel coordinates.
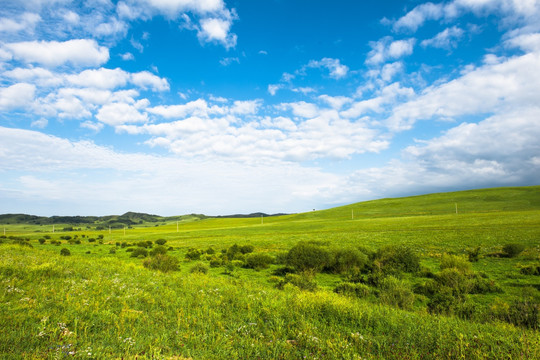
(162, 262)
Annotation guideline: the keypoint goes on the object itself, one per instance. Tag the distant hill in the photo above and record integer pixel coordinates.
(127, 219)
(252, 215)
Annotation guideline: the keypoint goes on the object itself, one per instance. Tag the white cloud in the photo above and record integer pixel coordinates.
(386, 49)
(493, 87)
(24, 22)
(79, 52)
(40, 123)
(17, 96)
(197, 107)
(100, 78)
(116, 114)
(249, 107)
(273, 88)
(446, 39)
(526, 42)
(127, 56)
(334, 66)
(416, 17)
(145, 80)
(301, 108)
(229, 60)
(217, 30)
(36, 75)
(336, 102)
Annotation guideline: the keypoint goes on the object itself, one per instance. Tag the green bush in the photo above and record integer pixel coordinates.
(474, 254)
(158, 250)
(246, 249)
(393, 259)
(193, 254)
(215, 263)
(396, 292)
(304, 281)
(210, 251)
(65, 252)
(456, 281)
(352, 289)
(512, 250)
(199, 268)
(161, 242)
(139, 252)
(308, 257)
(91, 240)
(258, 261)
(345, 260)
(42, 241)
(112, 251)
(459, 263)
(162, 262)
(530, 269)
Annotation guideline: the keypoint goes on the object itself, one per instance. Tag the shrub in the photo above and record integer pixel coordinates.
(284, 270)
(100, 236)
(455, 262)
(481, 285)
(65, 252)
(512, 250)
(258, 261)
(47, 237)
(352, 289)
(396, 292)
(304, 281)
(246, 249)
(161, 242)
(210, 251)
(42, 241)
(308, 257)
(237, 263)
(112, 251)
(199, 268)
(345, 260)
(474, 255)
(215, 263)
(162, 262)
(453, 279)
(394, 259)
(530, 270)
(138, 252)
(91, 240)
(193, 254)
(158, 250)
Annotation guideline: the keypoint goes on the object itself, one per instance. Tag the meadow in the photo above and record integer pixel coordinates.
(439, 276)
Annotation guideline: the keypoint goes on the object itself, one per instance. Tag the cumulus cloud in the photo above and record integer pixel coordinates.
(217, 30)
(17, 96)
(387, 49)
(24, 22)
(446, 39)
(493, 87)
(334, 66)
(147, 80)
(79, 52)
(115, 114)
(100, 78)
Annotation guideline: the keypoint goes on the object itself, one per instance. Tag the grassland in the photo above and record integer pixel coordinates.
(101, 303)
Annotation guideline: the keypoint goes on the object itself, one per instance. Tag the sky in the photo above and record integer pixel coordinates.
(173, 107)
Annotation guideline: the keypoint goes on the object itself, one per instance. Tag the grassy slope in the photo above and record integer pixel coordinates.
(116, 308)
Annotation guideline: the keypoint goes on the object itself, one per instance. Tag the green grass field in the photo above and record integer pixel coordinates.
(101, 303)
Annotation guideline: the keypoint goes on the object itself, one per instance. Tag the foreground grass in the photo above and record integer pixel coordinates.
(56, 307)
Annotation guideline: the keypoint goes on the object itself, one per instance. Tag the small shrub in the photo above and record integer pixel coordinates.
(112, 251)
(91, 240)
(344, 260)
(258, 261)
(161, 242)
(199, 268)
(308, 257)
(78, 242)
(158, 250)
(193, 254)
(100, 236)
(474, 255)
(512, 250)
(246, 249)
(65, 252)
(284, 270)
(396, 292)
(237, 263)
(215, 263)
(304, 281)
(455, 262)
(210, 251)
(123, 245)
(530, 269)
(42, 241)
(352, 289)
(394, 259)
(162, 262)
(48, 237)
(138, 252)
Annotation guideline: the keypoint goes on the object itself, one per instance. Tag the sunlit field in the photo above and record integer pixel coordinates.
(454, 275)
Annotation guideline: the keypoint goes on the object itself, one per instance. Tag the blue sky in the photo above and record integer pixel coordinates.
(217, 107)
